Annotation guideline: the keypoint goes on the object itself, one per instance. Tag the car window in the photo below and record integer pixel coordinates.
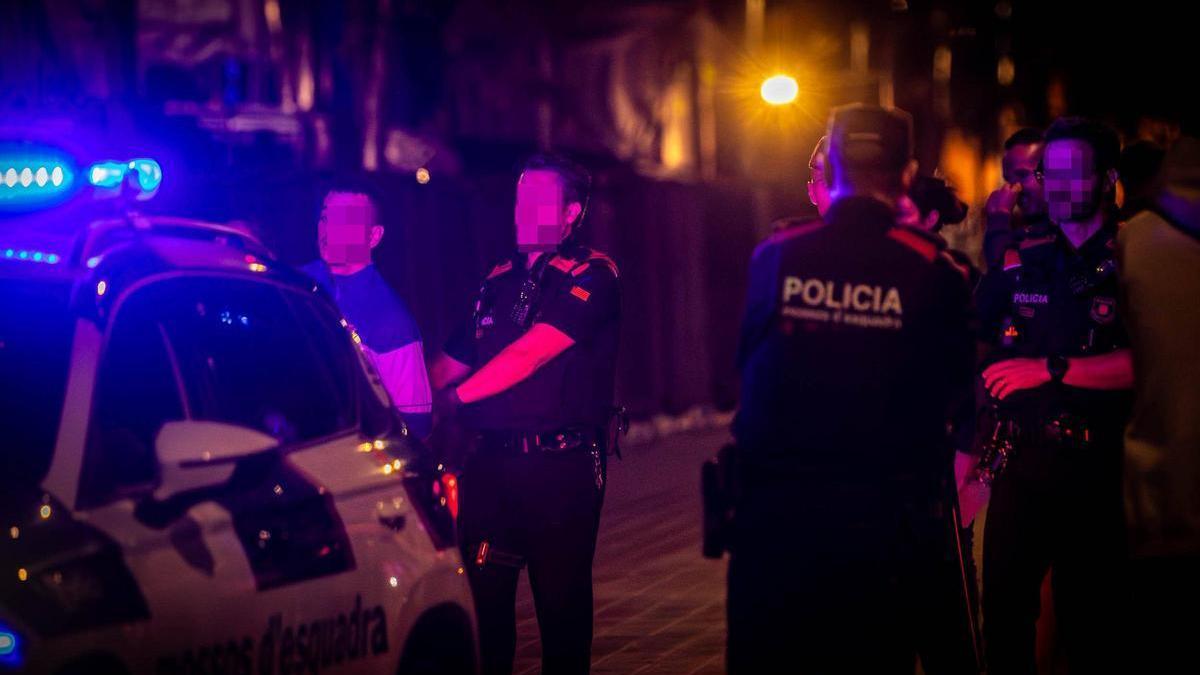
(235, 351)
(35, 347)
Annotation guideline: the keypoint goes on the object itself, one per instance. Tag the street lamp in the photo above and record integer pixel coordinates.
(779, 89)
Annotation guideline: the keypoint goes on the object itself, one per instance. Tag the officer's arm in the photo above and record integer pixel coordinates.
(516, 363)
(447, 370)
(1105, 371)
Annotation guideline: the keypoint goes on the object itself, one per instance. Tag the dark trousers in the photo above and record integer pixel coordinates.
(1061, 511)
(947, 615)
(814, 589)
(539, 510)
(1166, 593)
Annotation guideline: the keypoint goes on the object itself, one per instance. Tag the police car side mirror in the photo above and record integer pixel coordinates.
(194, 453)
(193, 444)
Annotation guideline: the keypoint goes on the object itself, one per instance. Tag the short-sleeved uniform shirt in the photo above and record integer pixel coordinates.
(1058, 301)
(576, 291)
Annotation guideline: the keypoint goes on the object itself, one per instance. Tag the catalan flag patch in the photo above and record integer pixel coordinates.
(580, 293)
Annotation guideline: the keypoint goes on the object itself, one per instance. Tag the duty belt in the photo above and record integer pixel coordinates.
(563, 440)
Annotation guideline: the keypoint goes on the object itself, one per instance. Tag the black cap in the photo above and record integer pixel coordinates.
(871, 137)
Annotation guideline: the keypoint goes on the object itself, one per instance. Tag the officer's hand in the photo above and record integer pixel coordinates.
(446, 402)
(907, 212)
(1003, 200)
(1006, 377)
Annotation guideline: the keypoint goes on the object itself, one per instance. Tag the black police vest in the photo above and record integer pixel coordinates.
(850, 366)
(1063, 302)
(574, 390)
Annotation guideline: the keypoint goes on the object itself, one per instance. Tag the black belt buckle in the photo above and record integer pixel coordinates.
(562, 441)
(1069, 431)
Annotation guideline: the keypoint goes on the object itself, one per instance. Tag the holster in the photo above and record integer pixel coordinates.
(720, 486)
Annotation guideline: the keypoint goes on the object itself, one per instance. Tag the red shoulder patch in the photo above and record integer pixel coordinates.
(1039, 241)
(499, 269)
(598, 257)
(562, 264)
(956, 266)
(919, 245)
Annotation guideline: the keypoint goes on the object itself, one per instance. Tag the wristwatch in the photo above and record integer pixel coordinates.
(1057, 366)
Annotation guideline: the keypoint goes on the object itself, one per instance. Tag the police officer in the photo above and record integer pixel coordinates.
(1061, 374)
(855, 341)
(818, 189)
(1016, 210)
(533, 371)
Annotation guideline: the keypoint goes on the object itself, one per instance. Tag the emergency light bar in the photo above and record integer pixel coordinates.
(30, 255)
(10, 647)
(33, 177)
(144, 172)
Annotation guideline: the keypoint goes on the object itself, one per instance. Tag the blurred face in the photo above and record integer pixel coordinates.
(818, 189)
(1074, 190)
(1020, 168)
(347, 231)
(542, 216)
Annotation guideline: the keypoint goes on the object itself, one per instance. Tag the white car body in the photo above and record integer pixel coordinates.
(321, 558)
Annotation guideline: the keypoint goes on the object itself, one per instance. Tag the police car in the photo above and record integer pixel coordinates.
(199, 470)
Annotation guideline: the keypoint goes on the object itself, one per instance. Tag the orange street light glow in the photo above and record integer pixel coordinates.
(779, 89)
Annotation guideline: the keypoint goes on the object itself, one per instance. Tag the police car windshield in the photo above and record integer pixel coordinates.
(35, 343)
(251, 354)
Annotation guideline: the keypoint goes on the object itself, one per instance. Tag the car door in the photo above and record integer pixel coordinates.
(248, 565)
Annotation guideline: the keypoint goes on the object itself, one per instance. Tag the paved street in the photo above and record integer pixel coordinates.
(660, 605)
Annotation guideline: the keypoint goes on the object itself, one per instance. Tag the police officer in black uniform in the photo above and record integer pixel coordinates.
(1060, 377)
(533, 371)
(856, 339)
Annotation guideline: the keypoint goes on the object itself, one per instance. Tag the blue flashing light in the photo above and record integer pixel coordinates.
(107, 174)
(149, 173)
(110, 175)
(27, 255)
(10, 647)
(93, 261)
(32, 177)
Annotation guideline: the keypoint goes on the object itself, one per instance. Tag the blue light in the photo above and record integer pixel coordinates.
(107, 174)
(149, 173)
(110, 174)
(93, 261)
(33, 176)
(41, 257)
(10, 647)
